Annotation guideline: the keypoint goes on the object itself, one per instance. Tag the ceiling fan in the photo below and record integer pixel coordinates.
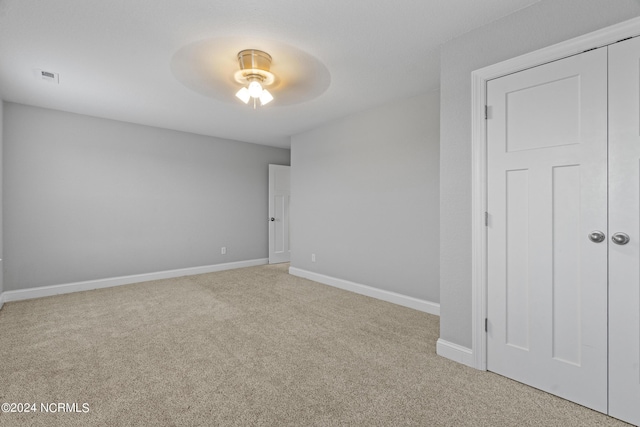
(254, 72)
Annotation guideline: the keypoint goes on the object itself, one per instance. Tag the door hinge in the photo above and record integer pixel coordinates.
(486, 112)
(486, 219)
(486, 324)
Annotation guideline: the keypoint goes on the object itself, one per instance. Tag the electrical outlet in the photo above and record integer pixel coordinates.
(313, 257)
(223, 250)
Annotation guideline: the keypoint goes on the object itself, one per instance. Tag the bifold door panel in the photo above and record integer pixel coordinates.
(624, 218)
(547, 174)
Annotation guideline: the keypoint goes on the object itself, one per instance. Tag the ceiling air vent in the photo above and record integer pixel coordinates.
(48, 76)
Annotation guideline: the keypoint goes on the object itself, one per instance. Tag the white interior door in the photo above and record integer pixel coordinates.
(279, 194)
(547, 192)
(624, 208)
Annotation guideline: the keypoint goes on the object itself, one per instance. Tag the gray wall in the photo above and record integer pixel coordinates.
(88, 198)
(364, 198)
(538, 26)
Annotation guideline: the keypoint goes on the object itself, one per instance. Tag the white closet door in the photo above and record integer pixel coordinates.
(547, 192)
(624, 208)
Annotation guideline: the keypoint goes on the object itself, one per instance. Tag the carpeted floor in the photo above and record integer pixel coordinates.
(249, 347)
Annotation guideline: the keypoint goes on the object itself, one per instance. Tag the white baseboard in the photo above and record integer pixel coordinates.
(1, 300)
(455, 352)
(46, 291)
(406, 301)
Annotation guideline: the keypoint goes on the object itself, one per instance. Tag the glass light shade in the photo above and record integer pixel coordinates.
(243, 95)
(265, 97)
(255, 89)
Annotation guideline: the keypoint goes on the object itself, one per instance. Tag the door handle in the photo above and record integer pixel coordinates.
(620, 238)
(273, 219)
(596, 236)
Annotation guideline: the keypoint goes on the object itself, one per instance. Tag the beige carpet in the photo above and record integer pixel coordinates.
(249, 347)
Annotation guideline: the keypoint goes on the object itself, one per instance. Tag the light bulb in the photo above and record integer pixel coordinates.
(255, 89)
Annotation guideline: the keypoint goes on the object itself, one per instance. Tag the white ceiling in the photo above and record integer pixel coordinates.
(114, 57)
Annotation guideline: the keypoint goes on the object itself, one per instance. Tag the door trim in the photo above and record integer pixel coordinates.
(479, 79)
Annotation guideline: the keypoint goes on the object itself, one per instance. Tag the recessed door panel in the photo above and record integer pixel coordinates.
(517, 250)
(280, 207)
(526, 131)
(567, 280)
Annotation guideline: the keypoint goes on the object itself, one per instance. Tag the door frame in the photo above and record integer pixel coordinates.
(479, 79)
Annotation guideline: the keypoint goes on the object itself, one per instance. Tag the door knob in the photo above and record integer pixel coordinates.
(596, 236)
(620, 238)
(273, 219)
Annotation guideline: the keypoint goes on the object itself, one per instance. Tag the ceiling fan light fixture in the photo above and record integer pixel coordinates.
(254, 72)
